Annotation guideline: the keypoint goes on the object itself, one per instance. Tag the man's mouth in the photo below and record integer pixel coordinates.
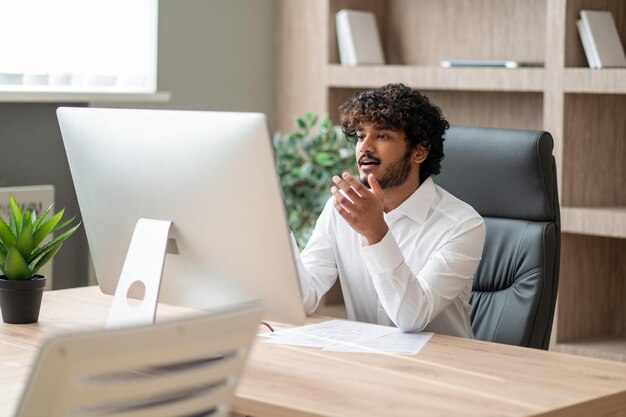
(366, 159)
(368, 163)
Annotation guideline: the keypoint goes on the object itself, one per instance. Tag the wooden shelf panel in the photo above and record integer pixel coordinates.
(597, 221)
(592, 288)
(603, 348)
(593, 171)
(435, 78)
(600, 81)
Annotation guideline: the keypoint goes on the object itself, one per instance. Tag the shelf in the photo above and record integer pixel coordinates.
(600, 81)
(596, 221)
(604, 348)
(58, 97)
(435, 78)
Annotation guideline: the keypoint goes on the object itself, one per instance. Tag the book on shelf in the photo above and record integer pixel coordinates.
(487, 63)
(358, 38)
(600, 40)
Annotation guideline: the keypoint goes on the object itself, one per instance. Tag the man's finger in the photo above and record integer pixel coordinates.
(341, 196)
(343, 211)
(374, 186)
(350, 192)
(355, 184)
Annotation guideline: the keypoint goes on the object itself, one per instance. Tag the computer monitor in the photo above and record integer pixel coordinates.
(213, 175)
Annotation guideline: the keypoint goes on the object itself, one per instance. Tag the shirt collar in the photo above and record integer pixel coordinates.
(418, 204)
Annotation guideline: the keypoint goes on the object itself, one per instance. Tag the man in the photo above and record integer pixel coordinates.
(404, 249)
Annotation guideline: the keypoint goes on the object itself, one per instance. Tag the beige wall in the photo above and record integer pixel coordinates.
(217, 54)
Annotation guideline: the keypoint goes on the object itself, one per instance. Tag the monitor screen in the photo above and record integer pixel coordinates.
(213, 175)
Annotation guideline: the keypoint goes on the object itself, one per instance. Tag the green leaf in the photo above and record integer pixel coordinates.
(46, 228)
(307, 169)
(15, 267)
(325, 159)
(25, 236)
(59, 239)
(301, 123)
(41, 218)
(62, 225)
(7, 235)
(16, 214)
(46, 256)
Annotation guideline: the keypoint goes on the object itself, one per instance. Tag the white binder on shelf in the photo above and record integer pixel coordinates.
(358, 38)
(600, 39)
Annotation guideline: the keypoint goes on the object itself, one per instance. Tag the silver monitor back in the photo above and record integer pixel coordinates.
(213, 175)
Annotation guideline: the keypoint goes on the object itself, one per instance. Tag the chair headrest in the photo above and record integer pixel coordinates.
(501, 172)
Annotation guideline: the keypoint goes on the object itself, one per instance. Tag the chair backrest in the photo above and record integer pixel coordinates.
(179, 368)
(509, 177)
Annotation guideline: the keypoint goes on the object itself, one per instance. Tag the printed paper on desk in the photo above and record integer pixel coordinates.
(352, 336)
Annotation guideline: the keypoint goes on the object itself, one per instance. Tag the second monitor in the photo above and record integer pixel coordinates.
(213, 175)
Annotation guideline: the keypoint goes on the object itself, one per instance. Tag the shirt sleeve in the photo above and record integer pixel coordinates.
(412, 299)
(317, 264)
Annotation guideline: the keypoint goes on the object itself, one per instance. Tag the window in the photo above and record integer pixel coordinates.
(78, 45)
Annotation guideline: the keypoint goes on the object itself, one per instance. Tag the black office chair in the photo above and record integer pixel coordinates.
(509, 177)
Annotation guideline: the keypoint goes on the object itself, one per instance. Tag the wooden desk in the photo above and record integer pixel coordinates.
(451, 376)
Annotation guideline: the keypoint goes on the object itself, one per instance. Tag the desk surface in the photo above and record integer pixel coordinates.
(450, 376)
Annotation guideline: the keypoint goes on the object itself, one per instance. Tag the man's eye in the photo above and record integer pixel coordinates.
(383, 137)
(360, 138)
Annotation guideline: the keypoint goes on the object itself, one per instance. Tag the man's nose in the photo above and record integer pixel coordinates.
(368, 144)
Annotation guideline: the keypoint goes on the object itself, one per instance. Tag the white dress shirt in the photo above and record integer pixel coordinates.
(418, 277)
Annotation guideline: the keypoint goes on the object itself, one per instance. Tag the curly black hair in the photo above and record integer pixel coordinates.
(400, 108)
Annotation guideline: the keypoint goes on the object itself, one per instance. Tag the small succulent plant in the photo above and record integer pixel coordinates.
(22, 248)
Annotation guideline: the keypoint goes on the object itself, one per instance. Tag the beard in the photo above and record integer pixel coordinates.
(395, 175)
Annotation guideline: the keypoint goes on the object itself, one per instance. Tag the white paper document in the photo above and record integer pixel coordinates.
(351, 336)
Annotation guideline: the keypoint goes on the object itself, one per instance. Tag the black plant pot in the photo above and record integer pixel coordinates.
(20, 300)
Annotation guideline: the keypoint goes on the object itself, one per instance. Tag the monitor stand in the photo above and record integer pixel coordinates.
(142, 270)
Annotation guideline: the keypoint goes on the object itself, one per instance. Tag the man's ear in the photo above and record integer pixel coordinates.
(420, 154)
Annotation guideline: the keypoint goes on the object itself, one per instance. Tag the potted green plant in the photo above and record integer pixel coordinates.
(306, 160)
(23, 251)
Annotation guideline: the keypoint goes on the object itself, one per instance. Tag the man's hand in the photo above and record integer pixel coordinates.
(360, 207)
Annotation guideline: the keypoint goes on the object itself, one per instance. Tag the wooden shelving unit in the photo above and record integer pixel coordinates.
(583, 109)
